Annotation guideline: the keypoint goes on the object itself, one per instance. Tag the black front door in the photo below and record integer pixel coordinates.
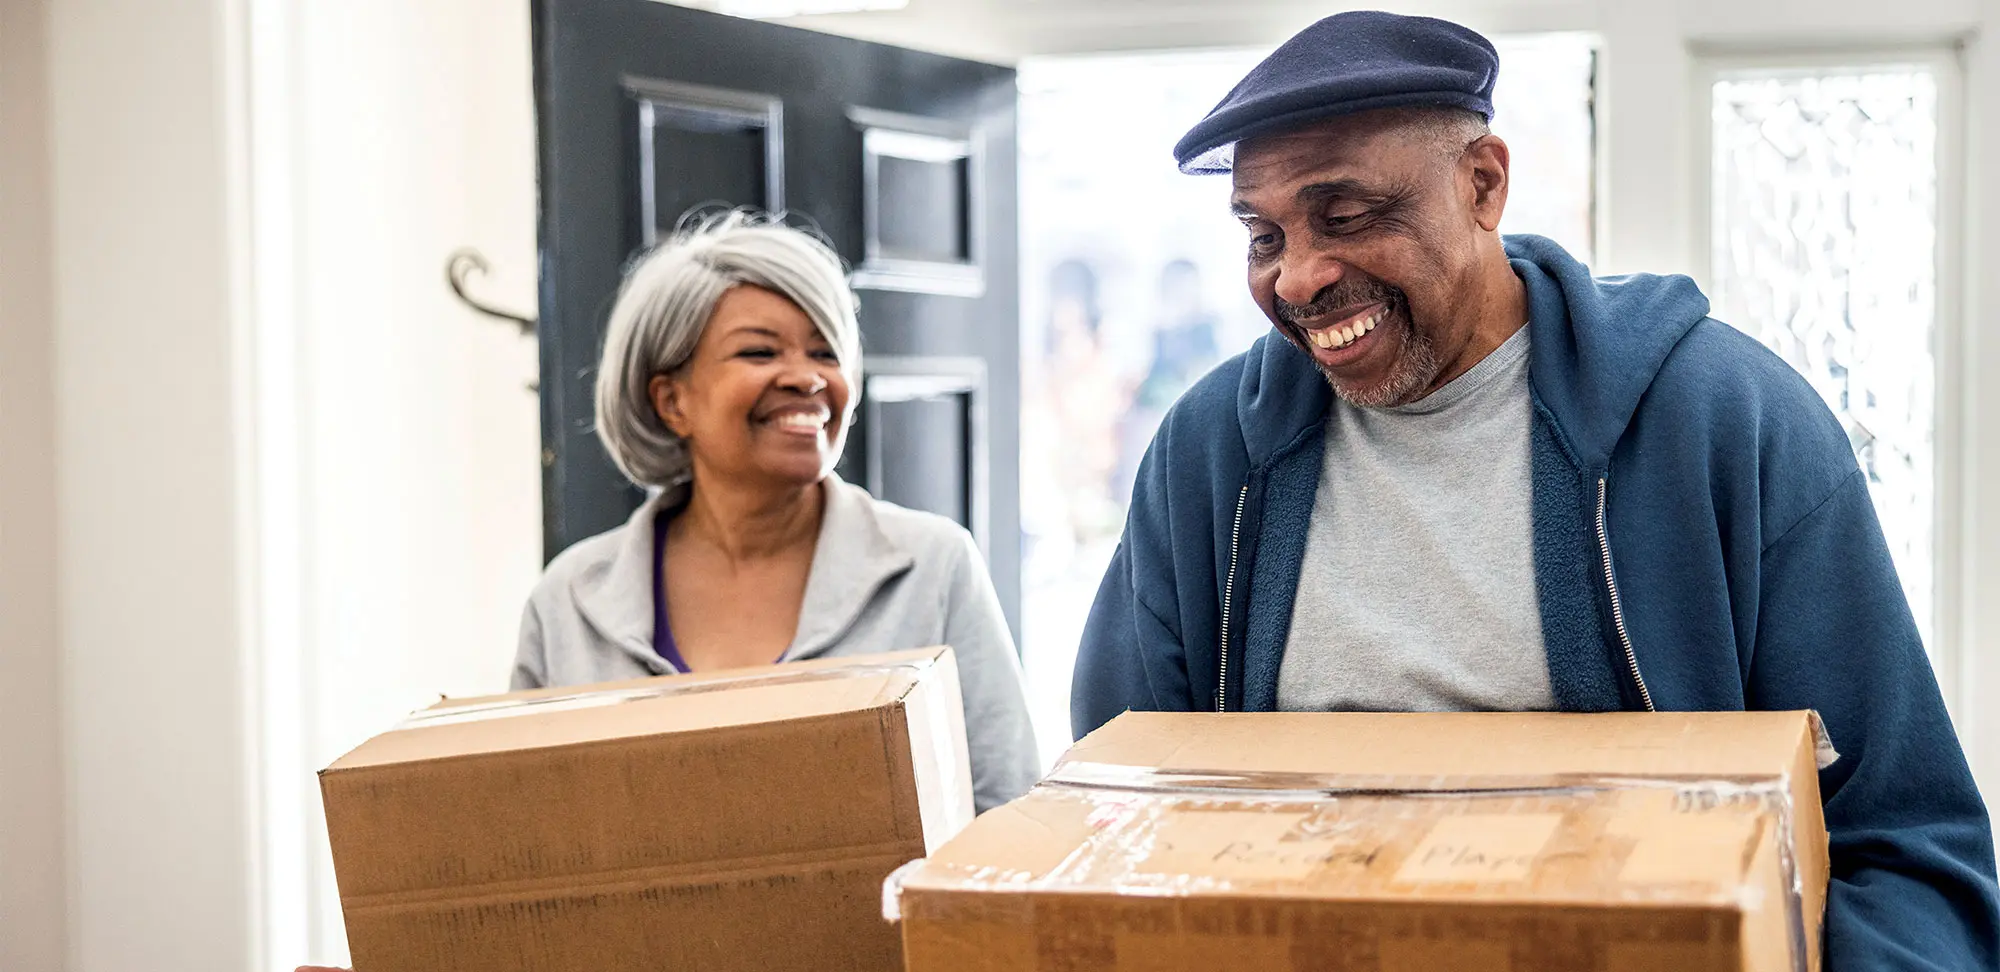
(904, 159)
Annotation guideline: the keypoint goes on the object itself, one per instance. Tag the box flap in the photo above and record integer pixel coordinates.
(1456, 747)
(669, 704)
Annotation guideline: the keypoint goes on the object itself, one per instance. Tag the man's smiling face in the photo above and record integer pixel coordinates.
(1364, 235)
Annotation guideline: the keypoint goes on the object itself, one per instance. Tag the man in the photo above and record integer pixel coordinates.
(1462, 474)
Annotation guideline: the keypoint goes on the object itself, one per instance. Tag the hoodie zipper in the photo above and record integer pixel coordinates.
(1618, 603)
(1228, 592)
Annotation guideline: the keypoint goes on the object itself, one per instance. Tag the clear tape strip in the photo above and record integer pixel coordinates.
(944, 750)
(892, 891)
(507, 708)
(1269, 785)
(1823, 751)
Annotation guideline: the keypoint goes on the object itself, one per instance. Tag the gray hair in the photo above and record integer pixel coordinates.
(666, 301)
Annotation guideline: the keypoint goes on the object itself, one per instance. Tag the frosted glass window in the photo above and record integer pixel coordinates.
(1823, 245)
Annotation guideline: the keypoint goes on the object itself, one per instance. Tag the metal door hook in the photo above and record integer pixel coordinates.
(466, 262)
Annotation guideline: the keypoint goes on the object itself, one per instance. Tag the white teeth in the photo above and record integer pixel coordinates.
(1339, 337)
(801, 420)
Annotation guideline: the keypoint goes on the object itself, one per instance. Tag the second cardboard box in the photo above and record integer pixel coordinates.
(1394, 843)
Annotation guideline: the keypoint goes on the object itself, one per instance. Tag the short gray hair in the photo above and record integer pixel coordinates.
(665, 303)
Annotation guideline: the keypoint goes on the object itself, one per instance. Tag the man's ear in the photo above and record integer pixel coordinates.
(1487, 161)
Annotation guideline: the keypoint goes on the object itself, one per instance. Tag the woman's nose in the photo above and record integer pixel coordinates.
(804, 380)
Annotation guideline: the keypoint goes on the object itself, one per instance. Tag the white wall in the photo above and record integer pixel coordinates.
(421, 432)
(149, 339)
(298, 484)
(419, 512)
(32, 867)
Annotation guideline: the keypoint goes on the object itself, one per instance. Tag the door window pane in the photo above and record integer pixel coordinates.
(1823, 245)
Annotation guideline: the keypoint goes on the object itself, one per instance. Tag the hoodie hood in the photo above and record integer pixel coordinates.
(1596, 345)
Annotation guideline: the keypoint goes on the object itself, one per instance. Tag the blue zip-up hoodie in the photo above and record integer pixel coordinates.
(1704, 540)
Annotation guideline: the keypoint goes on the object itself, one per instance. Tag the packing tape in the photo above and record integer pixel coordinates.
(1127, 807)
(892, 891)
(1823, 750)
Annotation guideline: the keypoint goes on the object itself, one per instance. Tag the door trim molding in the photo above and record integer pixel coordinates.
(923, 139)
(748, 109)
(910, 378)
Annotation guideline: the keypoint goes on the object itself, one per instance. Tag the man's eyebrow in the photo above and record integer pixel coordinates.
(1317, 192)
(1337, 189)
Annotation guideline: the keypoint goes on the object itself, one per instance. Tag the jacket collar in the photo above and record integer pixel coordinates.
(853, 557)
(1597, 343)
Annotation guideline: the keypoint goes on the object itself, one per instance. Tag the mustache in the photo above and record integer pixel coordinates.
(1336, 297)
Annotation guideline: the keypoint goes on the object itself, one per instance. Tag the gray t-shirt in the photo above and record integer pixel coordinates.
(1418, 588)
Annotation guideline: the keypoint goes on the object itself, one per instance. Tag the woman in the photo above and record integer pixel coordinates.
(726, 387)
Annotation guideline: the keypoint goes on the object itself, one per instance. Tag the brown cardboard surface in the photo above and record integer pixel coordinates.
(614, 710)
(739, 820)
(1455, 745)
(1392, 843)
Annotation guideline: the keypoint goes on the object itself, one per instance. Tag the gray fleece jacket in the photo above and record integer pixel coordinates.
(883, 578)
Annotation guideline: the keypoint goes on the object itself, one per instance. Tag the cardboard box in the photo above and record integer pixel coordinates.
(729, 821)
(1393, 843)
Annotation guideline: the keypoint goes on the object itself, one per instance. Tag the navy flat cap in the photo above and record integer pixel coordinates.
(1349, 62)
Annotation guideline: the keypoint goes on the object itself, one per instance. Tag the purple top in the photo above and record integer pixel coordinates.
(663, 633)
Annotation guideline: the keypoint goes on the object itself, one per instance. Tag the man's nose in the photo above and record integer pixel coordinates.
(1302, 274)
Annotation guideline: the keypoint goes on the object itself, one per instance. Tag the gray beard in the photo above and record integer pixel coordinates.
(1415, 369)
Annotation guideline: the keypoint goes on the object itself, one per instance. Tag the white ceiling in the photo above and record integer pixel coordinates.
(1004, 31)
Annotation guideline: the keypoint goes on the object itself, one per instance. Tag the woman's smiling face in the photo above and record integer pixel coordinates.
(763, 399)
